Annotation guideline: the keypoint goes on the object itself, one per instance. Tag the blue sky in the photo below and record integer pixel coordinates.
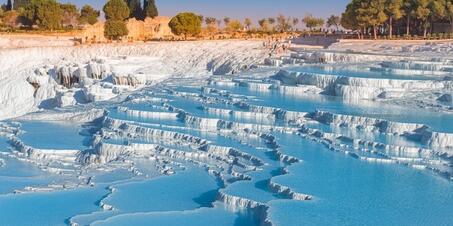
(254, 9)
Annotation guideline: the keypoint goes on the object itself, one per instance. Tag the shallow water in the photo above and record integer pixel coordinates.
(351, 192)
(218, 151)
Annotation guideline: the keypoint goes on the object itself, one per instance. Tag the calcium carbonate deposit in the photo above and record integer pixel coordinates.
(221, 133)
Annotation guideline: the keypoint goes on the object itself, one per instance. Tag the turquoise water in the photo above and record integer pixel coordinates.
(169, 171)
(351, 192)
(364, 71)
(53, 135)
(53, 208)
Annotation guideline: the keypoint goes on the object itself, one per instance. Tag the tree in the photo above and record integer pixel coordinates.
(449, 13)
(115, 29)
(44, 13)
(20, 4)
(9, 6)
(438, 10)
(187, 24)
(116, 10)
(409, 8)
(71, 15)
(349, 17)
(235, 26)
(295, 23)
(312, 22)
(422, 13)
(264, 24)
(271, 21)
(283, 23)
(89, 15)
(151, 9)
(394, 11)
(333, 21)
(248, 23)
(211, 23)
(210, 20)
(371, 14)
(226, 21)
(135, 9)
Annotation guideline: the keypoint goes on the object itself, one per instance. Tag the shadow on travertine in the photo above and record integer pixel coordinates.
(316, 41)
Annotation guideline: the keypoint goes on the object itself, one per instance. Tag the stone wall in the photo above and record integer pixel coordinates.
(149, 29)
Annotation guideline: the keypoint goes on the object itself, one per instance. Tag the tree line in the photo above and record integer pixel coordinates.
(53, 15)
(46, 14)
(383, 16)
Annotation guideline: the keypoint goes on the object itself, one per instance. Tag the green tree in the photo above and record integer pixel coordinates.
(312, 22)
(71, 15)
(394, 11)
(135, 9)
(151, 9)
(333, 21)
(115, 29)
(248, 23)
(20, 4)
(116, 10)
(264, 25)
(46, 14)
(226, 21)
(428, 10)
(283, 23)
(211, 23)
(409, 8)
(235, 26)
(9, 5)
(187, 24)
(349, 17)
(449, 12)
(438, 10)
(210, 20)
(89, 15)
(372, 14)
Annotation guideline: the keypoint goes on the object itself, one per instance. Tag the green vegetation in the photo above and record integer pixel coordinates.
(187, 24)
(71, 15)
(89, 15)
(384, 17)
(235, 26)
(116, 12)
(46, 14)
(135, 9)
(312, 22)
(333, 21)
(20, 4)
(150, 8)
(115, 29)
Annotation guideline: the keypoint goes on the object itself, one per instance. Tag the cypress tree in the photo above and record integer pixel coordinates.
(9, 5)
(150, 9)
(135, 9)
